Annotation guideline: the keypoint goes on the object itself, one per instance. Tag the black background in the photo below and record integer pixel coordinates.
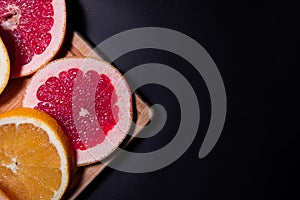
(255, 46)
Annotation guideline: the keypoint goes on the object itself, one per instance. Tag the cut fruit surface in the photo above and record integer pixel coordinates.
(89, 98)
(36, 161)
(4, 66)
(3, 196)
(32, 31)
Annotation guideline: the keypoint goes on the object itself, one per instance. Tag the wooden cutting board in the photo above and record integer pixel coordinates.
(75, 45)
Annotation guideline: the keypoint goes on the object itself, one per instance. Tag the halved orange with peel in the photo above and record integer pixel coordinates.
(36, 161)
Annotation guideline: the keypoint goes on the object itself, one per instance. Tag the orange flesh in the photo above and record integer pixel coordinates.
(3, 196)
(29, 163)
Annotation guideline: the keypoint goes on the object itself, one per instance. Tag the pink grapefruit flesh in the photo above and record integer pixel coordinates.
(33, 32)
(89, 98)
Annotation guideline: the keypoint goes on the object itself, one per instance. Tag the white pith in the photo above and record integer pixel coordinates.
(12, 22)
(52, 138)
(83, 112)
(13, 165)
(118, 133)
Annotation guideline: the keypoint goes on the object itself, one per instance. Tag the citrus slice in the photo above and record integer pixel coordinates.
(32, 31)
(89, 98)
(35, 159)
(4, 66)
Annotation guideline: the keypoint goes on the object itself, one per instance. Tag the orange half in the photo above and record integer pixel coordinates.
(35, 159)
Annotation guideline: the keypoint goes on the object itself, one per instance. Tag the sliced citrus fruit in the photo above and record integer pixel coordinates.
(89, 98)
(35, 159)
(4, 66)
(32, 31)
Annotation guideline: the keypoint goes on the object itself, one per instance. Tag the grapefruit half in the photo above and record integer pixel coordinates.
(89, 98)
(32, 31)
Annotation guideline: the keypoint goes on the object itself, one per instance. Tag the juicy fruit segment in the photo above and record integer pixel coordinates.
(34, 155)
(27, 25)
(21, 166)
(3, 196)
(4, 66)
(89, 98)
(28, 29)
(55, 97)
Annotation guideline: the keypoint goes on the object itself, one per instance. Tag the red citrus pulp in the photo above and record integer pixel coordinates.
(32, 31)
(89, 98)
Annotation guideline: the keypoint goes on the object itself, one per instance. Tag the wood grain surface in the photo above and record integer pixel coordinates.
(76, 46)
